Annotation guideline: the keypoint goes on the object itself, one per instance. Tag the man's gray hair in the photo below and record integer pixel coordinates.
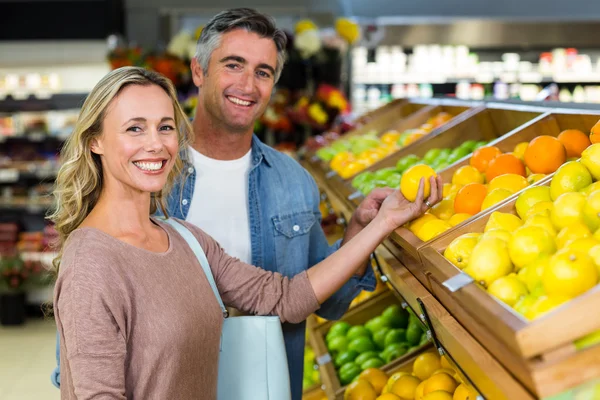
(239, 18)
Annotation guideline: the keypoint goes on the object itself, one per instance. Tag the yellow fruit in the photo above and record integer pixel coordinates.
(419, 222)
(443, 370)
(499, 220)
(432, 229)
(524, 305)
(533, 178)
(490, 261)
(528, 243)
(393, 379)
(584, 245)
(360, 390)
(498, 233)
(590, 157)
(519, 150)
(531, 275)
(544, 305)
(510, 182)
(441, 381)
(467, 174)
(592, 188)
(594, 253)
(495, 196)
(444, 209)
(419, 393)
(445, 363)
(531, 197)
(351, 169)
(446, 189)
(569, 274)
(570, 177)
(409, 183)
(405, 387)
(508, 289)
(458, 218)
(591, 211)
(542, 221)
(425, 365)
(388, 396)
(568, 210)
(578, 230)
(459, 251)
(376, 377)
(340, 160)
(543, 207)
(462, 393)
(438, 395)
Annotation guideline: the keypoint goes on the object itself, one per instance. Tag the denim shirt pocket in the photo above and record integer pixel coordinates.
(292, 240)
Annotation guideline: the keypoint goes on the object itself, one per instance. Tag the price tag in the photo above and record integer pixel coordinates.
(330, 174)
(324, 359)
(457, 282)
(355, 195)
(9, 175)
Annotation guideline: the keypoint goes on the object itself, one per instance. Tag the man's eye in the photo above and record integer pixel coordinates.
(264, 74)
(233, 66)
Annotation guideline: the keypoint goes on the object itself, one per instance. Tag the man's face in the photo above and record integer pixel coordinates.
(240, 78)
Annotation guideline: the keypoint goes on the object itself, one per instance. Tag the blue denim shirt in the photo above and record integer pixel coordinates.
(285, 235)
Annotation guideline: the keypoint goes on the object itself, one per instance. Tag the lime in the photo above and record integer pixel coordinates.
(357, 331)
(384, 173)
(397, 317)
(377, 323)
(365, 356)
(348, 372)
(345, 357)
(423, 340)
(340, 327)
(379, 337)
(413, 334)
(372, 363)
(406, 162)
(431, 155)
(395, 353)
(469, 144)
(393, 181)
(361, 345)
(338, 344)
(395, 336)
(362, 178)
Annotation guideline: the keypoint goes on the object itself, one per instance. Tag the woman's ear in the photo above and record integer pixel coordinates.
(96, 146)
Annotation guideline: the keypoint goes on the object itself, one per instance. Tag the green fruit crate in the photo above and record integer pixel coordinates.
(336, 354)
(540, 353)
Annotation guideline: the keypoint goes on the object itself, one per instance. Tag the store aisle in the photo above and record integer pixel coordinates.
(27, 357)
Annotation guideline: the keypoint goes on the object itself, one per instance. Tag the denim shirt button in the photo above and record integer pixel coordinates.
(296, 228)
(190, 170)
(184, 202)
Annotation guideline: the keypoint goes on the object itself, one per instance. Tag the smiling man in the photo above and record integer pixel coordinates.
(259, 204)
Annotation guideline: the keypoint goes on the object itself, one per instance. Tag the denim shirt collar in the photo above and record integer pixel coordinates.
(258, 153)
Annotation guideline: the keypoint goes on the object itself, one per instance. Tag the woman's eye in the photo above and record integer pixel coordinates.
(167, 128)
(134, 129)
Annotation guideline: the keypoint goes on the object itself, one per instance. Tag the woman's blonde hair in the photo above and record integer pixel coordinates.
(79, 181)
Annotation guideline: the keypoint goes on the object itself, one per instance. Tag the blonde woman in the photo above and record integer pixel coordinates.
(136, 316)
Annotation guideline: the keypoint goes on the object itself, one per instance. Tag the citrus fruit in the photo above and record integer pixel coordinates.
(419, 393)
(365, 357)
(545, 154)
(508, 289)
(388, 396)
(505, 164)
(595, 254)
(500, 220)
(458, 218)
(489, 261)
(467, 174)
(531, 274)
(425, 365)
(340, 160)
(595, 133)
(338, 344)
(459, 251)
(443, 370)
(543, 221)
(511, 182)
(569, 274)
(360, 390)
(498, 233)
(568, 209)
(461, 393)
(592, 188)
(469, 198)
(357, 331)
(348, 372)
(584, 245)
(361, 345)
(543, 305)
(405, 387)
(533, 178)
(395, 376)
(524, 305)
(569, 233)
(339, 328)
(419, 222)
(574, 141)
(519, 150)
(530, 197)
(438, 395)
(482, 157)
(395, 336)
(409, 185)
(376, 377)
(379, 337)
(397, 317)
(432, 229)
(444, 209)
(375, 324)
(571, 177)
(441, 381)
(345, 358)
(445, 363)
(528, 243)
(543, 208)
(390, 137)
(494, 197)
(590, 157)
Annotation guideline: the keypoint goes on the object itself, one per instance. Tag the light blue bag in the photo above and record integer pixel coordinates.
(252, 362)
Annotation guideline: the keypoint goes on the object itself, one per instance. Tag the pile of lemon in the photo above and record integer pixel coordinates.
(432, 378)
(548, 250)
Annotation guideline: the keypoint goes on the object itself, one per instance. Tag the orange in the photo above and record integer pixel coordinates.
(441, 381)
(426, 364)
(574, 141)
(376, 377)
(595, 133)
(360, 390)
(405, 387)
(469, 198)
(545, 154)
(483, 156)
(504, 164)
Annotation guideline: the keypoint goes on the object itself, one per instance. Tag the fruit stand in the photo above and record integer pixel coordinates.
(502, 276)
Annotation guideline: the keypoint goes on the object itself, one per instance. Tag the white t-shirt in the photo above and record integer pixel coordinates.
(220, 202)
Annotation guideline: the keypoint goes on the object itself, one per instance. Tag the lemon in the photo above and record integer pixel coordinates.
(543, 207)
(419, 393)
(351, 169)
(467, 174)
(445, 363)
(524, 305)
(592, 188)
(519, 150)
(505, 221)
(528, 243)
(494, 197)
(438, 395)
(590, 157)
(569, 274)
(446, 189)
(568, 210)
(531, 197)
(533, 178)
(425, 365)
(459, 251)
(567, 234)
(498, 233)
(591, 210)
(360, 389)
(409, 183)
(594, 253)
(570, 177)
(511, 182)
(490, 261)
(444, 209)
(462, 392)
(441, 381)
(584, 245)
(444, 370)
(432, 229)
(543, 305)
(543, 221)
(531, 274)
(508, 289)
(419, 222)
(388, 396)
(405, 387)
(393, 379)
(458, 218)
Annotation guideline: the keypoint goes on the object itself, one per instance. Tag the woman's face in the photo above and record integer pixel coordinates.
(139, 142)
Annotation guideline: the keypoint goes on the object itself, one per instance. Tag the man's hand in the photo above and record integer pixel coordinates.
(369, 207)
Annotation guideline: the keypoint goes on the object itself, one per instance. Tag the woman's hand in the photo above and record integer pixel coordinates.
(396, 210)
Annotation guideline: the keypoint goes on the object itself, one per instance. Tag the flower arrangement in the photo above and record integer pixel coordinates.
(17, 274)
